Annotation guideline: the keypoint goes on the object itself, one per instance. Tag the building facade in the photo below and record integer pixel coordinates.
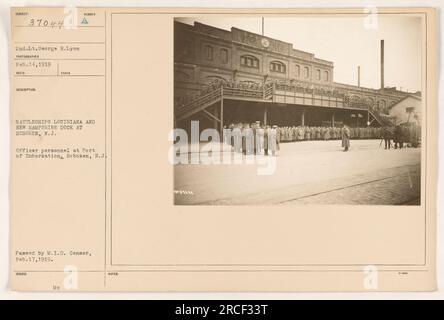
(407, 110)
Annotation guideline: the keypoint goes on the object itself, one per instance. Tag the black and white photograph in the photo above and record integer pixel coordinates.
(291, 110)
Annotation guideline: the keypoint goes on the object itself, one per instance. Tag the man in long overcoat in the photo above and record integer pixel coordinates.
(345, 137)
(387, 136)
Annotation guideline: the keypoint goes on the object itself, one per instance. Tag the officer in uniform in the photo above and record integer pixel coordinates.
(260, 138)
(301, 133)
(398, 137)
(275, 142)
(327, 134)
(345, 137)
(387, 136)
(318, 133)
(237, 137)
(307, 133)
(245, 130)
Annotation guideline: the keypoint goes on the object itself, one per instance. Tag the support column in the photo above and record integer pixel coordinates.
(333, 119)
(265, 115)
(216, 115)
(221, 116)
(303, 118)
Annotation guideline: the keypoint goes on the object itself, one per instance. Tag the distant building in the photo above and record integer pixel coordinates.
(224, 76)
(407, 109)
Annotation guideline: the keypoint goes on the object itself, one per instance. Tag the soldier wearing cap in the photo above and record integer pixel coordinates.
(273, 140)
(345, 137)
(237, 137)
(399, 143)
(260, 138)
(253, 137)
(301, 133)
(387, 135)
(307, 133)
(312, 133)
(266, 131)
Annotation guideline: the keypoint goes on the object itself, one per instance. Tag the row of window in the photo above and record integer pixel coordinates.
(276, 66)
(253, 62)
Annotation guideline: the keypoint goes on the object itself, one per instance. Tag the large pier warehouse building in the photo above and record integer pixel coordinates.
(223, 77)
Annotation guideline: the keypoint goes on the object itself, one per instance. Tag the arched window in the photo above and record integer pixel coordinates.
(224, 55)
(208, 52)
(318, 74)
(249, 61)
(297, 70)
(185, 47)
(306, 72)
(326, 78)
(277, 66)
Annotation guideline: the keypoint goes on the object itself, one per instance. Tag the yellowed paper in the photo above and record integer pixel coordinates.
(101, 200)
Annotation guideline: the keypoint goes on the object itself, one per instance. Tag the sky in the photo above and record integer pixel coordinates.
(347, 42)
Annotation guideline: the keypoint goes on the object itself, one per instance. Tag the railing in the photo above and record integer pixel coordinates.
(308, 99)
(227, 91)
(278, 93)
(357, 105)
(243, 93)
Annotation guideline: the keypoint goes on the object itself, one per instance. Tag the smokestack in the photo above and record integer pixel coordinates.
(359, 76)
(382, 64)
(263, 26)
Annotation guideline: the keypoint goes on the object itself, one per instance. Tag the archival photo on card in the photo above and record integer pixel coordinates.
(167, 149)
(298, 109)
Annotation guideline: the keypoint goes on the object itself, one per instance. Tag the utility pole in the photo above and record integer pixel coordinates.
(382, 64)
(262, 26)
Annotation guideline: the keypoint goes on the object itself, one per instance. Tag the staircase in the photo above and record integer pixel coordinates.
(200, 103)
(383, 121)
(266, 93)
(204, 101)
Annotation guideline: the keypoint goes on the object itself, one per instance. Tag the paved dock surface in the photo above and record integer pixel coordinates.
(308, 172)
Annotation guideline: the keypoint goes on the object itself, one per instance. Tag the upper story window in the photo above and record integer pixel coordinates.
(186, 48)
(382, 104)
(224, 55)
(297, 70)
(277, 66)
(318, 74)
(208, 52)
(326, 76)
(306, 72)
(249, 61)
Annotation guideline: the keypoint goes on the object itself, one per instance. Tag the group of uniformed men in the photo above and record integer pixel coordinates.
(253, 138)
(301, 133)
(407, 133)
